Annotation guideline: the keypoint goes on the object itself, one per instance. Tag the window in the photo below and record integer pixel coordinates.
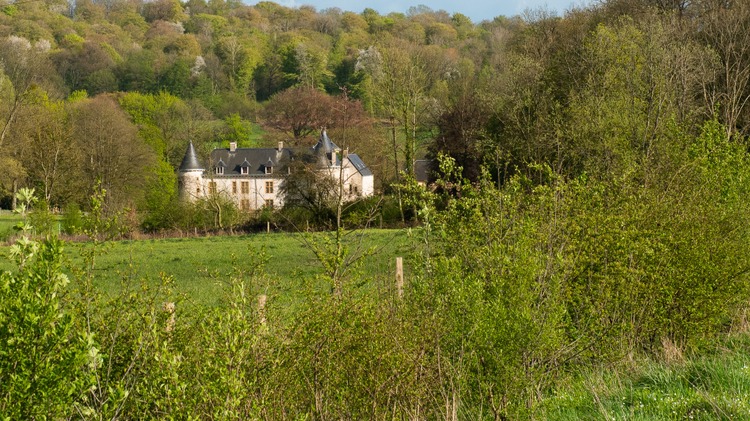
(269, 187)
(219, 170)
(269, 170)
(244, 170)
(245, 187)
(245, 204)
(212, 187)
(234, 187)
(269, 203)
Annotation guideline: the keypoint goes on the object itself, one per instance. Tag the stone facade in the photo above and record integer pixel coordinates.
(252, 177)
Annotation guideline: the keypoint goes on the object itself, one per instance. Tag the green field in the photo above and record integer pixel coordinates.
(7, 221)
(200, 266)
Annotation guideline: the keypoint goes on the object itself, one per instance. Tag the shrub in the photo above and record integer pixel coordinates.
(72, 219)
(42, 219)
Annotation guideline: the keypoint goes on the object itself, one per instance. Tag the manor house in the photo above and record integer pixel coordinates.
(252, 177)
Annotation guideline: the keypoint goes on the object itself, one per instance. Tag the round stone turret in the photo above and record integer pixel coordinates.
(190, 176)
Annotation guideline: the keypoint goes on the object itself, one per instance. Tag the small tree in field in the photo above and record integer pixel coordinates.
(306, 186)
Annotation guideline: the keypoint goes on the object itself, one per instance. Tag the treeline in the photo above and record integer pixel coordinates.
(601, 90)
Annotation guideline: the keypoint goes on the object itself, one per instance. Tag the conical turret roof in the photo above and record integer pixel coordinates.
(325, 145)
(190, 162)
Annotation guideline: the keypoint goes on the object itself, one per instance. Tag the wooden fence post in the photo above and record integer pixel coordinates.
(400, 276)
(169, 307)
(262, 308)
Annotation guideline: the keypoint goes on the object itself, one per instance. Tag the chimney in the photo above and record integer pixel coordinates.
(281, 145)
(232, 146)
(346, 152)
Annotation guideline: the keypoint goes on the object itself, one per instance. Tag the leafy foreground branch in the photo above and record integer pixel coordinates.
(520, 290)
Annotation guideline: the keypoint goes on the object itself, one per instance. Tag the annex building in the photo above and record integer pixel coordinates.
(252, 177)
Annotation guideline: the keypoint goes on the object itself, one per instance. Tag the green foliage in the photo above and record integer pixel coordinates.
(42, 219)
(41, 365)
(10, 10)
(238, 130)
(209, 214)
(147, 111)
(25, 198)
(100, 224)
(495, 281)
(43, 355)
(76, 96)
(528, 276)
(616, 222)
(306, 187)
(161, 199)
(72, 219)
(73, 40)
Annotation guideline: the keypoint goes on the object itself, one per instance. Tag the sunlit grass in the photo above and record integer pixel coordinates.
(7, 221)
(201, 266)
(712, 386)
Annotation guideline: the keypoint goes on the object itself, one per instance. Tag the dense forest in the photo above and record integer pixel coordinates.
(591, 203)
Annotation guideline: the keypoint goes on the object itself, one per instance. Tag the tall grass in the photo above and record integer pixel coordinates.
(712, 385)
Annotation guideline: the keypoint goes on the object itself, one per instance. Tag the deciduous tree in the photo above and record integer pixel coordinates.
(113, 155)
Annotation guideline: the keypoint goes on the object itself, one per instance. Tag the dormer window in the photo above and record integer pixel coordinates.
(245, 167)
(269, 170)
(269, 166)
(219, 169)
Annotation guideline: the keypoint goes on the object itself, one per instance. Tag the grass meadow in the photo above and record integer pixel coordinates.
(200, 266)
(7, 221)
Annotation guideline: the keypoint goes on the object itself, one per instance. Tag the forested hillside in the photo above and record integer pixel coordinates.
(111, 91)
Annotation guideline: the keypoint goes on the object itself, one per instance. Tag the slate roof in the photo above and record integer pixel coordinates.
(325, 144)
(190, 162)
(256, 159)
(359, 164)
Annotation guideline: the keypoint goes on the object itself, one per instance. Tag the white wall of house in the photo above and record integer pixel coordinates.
(248, 193)
(368, 185)
(256, 192)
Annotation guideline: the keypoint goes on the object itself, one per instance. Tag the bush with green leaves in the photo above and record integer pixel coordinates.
(72, 219)
(46, 361)
(529, 280)
(42, 219)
